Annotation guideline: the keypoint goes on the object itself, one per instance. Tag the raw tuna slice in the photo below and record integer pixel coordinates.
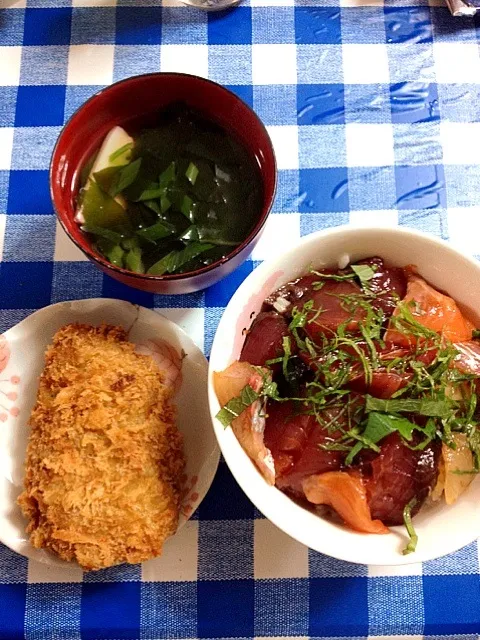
(264, 339)
(295, 440)
(397, 475)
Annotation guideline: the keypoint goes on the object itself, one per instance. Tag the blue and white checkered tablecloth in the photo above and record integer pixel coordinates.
(373, 108)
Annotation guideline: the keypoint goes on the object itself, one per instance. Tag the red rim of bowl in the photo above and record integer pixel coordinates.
(181, 276)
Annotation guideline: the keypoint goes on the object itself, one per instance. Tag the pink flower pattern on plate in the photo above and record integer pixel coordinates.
(189, 496)
(10, 396)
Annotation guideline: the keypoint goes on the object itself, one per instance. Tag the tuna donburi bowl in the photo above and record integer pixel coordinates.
(344, 379)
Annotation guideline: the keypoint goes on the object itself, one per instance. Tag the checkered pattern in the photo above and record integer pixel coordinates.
(374, 114)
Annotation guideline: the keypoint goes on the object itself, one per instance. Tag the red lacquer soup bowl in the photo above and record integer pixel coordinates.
(137, 99)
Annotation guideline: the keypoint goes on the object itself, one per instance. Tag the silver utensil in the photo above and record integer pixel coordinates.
(211, 5)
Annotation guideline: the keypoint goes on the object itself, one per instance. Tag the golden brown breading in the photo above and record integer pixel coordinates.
(105, 458)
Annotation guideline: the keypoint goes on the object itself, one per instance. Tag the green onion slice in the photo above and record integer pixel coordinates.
(119, 152)
(192, 173)
(126, 177)
(174, 260)
(133, 261)
(108, 234)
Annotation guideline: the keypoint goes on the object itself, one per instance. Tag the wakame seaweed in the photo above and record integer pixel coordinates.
(187, 196)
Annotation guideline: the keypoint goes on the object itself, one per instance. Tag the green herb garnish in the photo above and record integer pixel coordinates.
(119, 152)
(465, 472)
(287, 352)
(337, 277)
(364, 272)
(237, 406)
(380, 425)
(420, 406)
(407, 519)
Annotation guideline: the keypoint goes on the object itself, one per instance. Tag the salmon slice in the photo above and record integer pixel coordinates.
(249, 427)
(433, 310)
(347, 495)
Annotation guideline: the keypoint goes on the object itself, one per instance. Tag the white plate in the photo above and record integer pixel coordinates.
(441, 528)
(22, 350)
